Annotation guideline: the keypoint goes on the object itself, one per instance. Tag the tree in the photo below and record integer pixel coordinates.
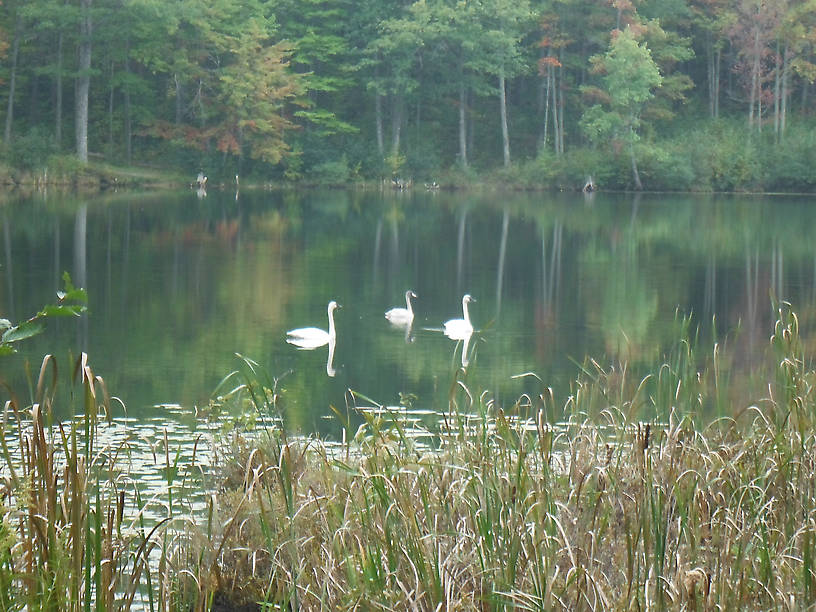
(83, 80)
(752, 34)
(255, 89)
(630, 76)
(323, 56)
(393, 54)
(505, 23)
(242, 82)
(710, 19)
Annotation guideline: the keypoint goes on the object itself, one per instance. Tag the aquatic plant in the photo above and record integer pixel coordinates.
(508, 510)
(488, 507)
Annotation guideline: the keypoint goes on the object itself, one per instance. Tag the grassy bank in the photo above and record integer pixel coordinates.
(502, 509)
(710, 156)
(67, 172)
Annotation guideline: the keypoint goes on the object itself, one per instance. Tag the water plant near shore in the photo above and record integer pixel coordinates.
(492, 507)
(509, 511)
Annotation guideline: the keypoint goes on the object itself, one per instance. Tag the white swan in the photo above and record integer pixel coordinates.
(459, 329)
(402, 316)
(313, 337)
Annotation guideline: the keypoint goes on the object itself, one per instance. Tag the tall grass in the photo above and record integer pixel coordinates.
(62, 541)
(505, 509)
(508, 511)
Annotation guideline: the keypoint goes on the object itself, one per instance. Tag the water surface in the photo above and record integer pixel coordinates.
(179, 284)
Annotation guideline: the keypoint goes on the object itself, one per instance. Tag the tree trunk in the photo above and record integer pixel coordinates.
(717, 65)
(128, 119)
(471, 125)
(12, 82)
(58, 109)
(111, 94)
(462, 125)
(546, 107)
(396, 124)
(713, 78)
(777, 92)
(561, 106)
(784, 102)
(753, 96)
(556, 122)
(179, 98)
(84, 80)
(503, 112)
(635, 173)
(379, 123)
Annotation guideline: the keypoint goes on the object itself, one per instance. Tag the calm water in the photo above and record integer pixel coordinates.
(178, 285)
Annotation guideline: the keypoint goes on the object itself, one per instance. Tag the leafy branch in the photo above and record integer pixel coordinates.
(71, 302)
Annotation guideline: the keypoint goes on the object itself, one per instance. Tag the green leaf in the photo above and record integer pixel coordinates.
(66, 278)
(6, 349)
(22, 331)
(63, 310)
(77, 295)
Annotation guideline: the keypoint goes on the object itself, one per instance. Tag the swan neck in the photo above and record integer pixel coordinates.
(408, 303)
(331, 323)
(465, 311)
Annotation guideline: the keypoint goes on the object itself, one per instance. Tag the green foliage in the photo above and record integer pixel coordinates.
(281, 88)
(70, 303)
(791, 164)
(630, 77)
(667, 168)
(726, 158)
(31, 150)
(335, 172)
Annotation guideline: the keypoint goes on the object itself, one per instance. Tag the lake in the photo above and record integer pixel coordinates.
(179, 284)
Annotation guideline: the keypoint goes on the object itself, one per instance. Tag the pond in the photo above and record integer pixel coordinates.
(179, 284)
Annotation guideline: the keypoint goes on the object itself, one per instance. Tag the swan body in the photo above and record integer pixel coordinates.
(314, 337)
(460, 329)
(402, 316)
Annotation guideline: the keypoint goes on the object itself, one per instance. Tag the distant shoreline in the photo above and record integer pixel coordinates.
(69, 174)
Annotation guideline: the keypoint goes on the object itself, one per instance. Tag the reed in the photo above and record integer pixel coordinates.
(504, 508)
(507, 511)
(63, 542)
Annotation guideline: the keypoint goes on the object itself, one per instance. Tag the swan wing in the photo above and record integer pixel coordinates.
(458, 329)
(308, 337)
(399, 315)
(306, 332)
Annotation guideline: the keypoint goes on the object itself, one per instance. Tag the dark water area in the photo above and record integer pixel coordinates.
(179, 284)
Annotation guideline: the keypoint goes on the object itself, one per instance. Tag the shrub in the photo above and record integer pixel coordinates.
(667, 168)
(791, 165)
(725, 157)
(333, 172)
(31, 150)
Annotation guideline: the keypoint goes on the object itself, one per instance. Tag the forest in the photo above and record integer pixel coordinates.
(705, 95)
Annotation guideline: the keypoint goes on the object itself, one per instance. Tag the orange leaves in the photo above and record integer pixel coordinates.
(547, 62)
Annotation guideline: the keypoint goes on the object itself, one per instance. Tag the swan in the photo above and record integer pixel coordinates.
(313, 337)
(459, 329)
(402, 316)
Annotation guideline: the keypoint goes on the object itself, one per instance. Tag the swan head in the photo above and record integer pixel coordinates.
(334, 306)
(467, 299)
(410, 294)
